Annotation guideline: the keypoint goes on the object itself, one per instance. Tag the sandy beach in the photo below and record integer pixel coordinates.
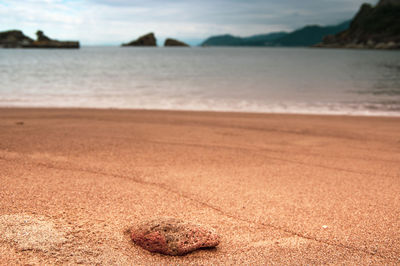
(283, 189)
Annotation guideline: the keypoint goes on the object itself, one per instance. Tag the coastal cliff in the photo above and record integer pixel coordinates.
(373, 27)
(16, 39)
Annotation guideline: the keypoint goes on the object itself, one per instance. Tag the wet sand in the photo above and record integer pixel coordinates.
(285, 189)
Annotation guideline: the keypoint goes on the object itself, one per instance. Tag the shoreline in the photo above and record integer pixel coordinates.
(383, 115)
(277, 188)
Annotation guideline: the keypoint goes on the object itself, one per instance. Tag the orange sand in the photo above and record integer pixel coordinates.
(287, 189)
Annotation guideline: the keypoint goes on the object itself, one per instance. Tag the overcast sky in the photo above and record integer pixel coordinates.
(115, 21)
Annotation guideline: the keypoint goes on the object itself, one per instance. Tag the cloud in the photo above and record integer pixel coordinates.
(117, 21)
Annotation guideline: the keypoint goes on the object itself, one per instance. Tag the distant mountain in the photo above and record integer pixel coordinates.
(256, 40)
(375, 27)
(310, 35)
(307, 36)
(264, 39)
(223, 40)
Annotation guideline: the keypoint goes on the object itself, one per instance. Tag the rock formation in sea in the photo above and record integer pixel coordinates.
(173, 42)
(45, 42)
(145, 40)
(374, 27)
(16, 39)
(174, 237)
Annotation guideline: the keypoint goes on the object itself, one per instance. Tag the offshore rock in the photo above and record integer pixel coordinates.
(173, 42)
(16, 39)
(45, 42)
(174, 237)
(41, 37)
(145, 40)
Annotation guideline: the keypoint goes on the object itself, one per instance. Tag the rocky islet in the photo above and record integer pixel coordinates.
(145, 40)
(174, 43)
(17, 39)
(150, 40)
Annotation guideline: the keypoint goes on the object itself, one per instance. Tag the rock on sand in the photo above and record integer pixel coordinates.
(171, 236)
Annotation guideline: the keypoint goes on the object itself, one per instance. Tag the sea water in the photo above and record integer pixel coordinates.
(273, 80)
